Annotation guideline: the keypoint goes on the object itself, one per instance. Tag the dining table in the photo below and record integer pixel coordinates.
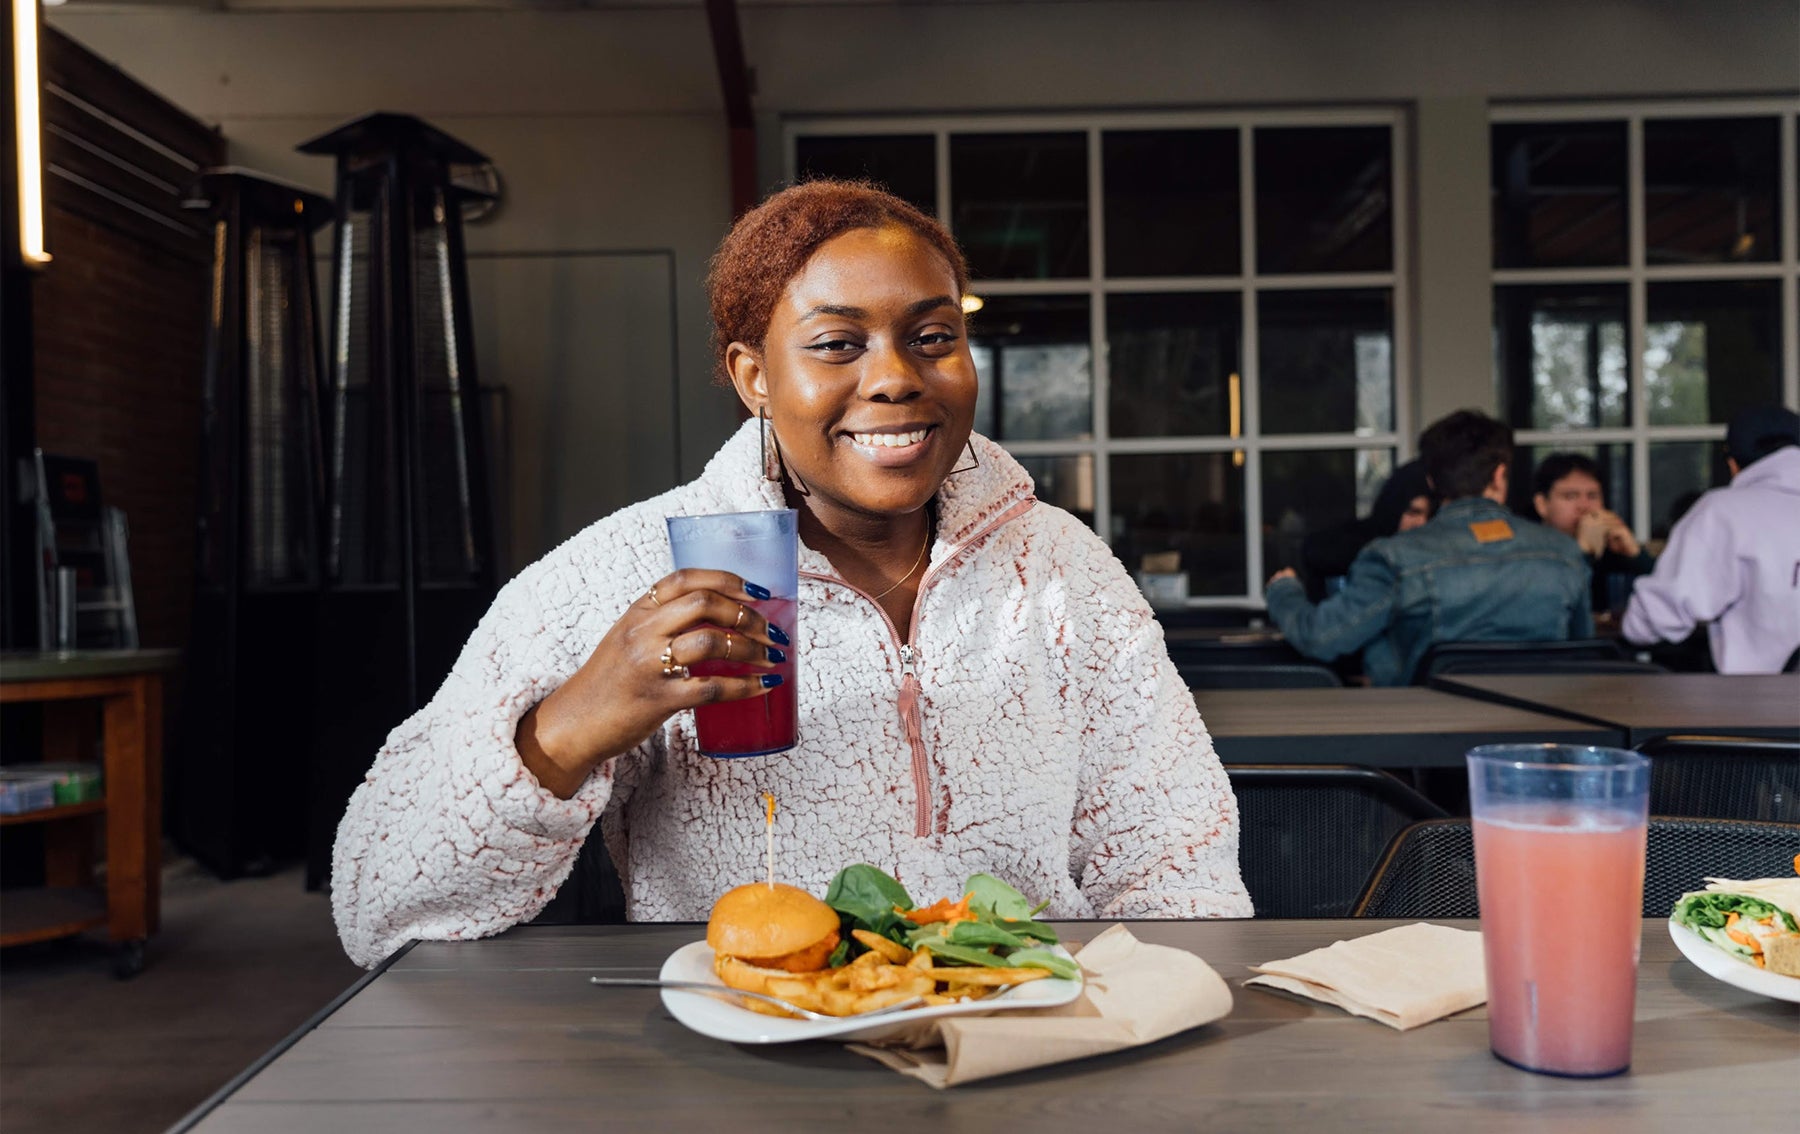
(1648, 705)
(506, 1033)
(1400, 727)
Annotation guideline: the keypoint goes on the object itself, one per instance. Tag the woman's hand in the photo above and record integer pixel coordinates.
(637, 677)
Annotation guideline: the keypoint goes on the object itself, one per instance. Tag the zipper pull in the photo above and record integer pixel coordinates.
(906, 661)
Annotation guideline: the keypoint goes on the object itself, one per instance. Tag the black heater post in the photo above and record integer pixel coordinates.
(409, 558)
(237, 775)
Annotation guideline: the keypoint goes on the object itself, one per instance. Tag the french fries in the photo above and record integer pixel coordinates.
(887, 974)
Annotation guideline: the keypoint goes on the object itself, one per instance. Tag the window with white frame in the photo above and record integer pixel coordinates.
(1191, 324)
(1645, 281)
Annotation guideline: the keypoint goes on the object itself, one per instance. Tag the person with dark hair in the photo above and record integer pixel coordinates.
(1470, 574)
(982, 687)
(1569, 494)
(1733, 561)
(1403, 504)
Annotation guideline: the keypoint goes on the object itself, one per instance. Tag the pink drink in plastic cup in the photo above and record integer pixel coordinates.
(1559, 866)
(761, 548)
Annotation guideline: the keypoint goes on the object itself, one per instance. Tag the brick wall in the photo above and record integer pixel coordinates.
(120, 340)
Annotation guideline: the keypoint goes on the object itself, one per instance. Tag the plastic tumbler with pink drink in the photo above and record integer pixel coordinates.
(762, 548)
(1559, 867)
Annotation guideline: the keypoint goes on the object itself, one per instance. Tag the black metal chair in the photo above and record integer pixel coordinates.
(1312, 832)
(1259, 677)
(1724, 777)
(1429, 869)
(1577, 655)
(592, 894)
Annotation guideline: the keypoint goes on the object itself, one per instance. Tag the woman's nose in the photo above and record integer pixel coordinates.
(890, 375)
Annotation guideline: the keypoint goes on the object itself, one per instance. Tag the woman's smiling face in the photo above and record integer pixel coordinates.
(866, 374)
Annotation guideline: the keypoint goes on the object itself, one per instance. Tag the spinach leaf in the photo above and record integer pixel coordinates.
(962, 954)
(867, 896)
(1059, 965)
(1035, 929)
(841, 955)
(995, 900)
(1710, 910)
(983, 933)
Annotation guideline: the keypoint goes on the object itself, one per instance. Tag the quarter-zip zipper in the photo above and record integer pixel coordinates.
(912, 721)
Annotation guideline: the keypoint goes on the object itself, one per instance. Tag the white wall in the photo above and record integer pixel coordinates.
(607, 124)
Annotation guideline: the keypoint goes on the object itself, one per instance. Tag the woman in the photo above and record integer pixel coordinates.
(982, 687)
(1404, 503)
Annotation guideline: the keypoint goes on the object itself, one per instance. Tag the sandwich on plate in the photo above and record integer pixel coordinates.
(1756, 920)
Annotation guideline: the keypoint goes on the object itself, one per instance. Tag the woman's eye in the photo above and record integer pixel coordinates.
(834, 346)
(935, 339)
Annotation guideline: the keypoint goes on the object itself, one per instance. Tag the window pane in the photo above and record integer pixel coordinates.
(905, 164)
(1034, 359)
(1560, 356)
(1171, 202)
(1189, 504)
(1710, 187)
(1710, 349)
(1067, 482)
(1312, 490)
(1615, 474)
(1324, 199)
(1173, 364)
(1327, 361)
(1021, 204)
(1558, 194)
(1679, 472)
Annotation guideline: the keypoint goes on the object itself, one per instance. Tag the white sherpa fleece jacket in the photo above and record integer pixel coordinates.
(1039, 733)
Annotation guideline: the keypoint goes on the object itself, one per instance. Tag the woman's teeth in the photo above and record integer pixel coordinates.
(889, 440)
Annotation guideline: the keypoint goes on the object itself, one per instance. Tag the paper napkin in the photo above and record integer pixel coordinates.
(1403, 977)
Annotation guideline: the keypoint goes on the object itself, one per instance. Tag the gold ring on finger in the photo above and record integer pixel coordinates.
(727, 645)
(739, 623)
(651, 595)
(669, 668)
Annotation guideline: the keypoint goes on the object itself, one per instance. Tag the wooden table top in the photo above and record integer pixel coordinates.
(1648, 705)
(507, 1034)
(35, 665)
(1405, 727)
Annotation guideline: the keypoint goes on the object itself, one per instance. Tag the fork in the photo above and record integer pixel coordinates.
(734, 993)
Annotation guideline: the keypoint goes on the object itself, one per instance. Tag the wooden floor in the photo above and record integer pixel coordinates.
(236, 966)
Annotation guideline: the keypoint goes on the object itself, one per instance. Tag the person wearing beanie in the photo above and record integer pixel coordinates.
(1733, 561)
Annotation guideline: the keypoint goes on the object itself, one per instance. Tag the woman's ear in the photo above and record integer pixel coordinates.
(748, 377)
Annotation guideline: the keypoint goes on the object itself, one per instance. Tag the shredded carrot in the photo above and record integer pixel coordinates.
(1745, 940)
(943, 910)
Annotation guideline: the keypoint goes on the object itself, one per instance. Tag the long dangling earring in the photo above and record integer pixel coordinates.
(974, 461)
(774, 473)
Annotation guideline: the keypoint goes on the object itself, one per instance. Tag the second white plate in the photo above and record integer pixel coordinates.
(720, 1019)
(1716, 962)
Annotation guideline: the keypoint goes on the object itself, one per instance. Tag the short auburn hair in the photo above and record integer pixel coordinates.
(769, 245)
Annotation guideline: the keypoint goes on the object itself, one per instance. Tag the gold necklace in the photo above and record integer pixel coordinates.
(909, 571)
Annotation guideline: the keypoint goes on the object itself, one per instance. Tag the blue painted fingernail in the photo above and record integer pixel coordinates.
(771, 680)
(779, 635)
(776, 655)
(756, 592)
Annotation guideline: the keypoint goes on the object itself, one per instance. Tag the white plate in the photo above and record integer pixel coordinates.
(1716, 962)
(711, 1016)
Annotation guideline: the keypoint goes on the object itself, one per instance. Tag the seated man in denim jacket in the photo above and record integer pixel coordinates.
(1476, 572)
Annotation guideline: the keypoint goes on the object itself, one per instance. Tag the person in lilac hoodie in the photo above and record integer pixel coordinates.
(1733, 561)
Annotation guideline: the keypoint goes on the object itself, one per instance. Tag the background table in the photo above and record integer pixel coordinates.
(128, 686)
(1407, 727)
(507, 1034)
(1649, 705)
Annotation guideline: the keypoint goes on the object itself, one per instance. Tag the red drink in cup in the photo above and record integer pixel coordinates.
(1559, 867)
(762, 548)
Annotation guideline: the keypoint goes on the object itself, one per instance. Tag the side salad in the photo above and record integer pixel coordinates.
(992, 925)
(1740, 924)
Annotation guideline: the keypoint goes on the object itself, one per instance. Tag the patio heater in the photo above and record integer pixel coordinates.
(247, 710)
(408, 532)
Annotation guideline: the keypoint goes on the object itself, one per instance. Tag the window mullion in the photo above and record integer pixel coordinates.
(1099, 356)
(1250, 368)
(1637, 381)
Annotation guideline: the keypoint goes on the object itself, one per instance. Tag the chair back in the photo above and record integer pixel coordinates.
(1724, 777)
(592, 894)
(1310, 833)
(1429, 869)
(1576, 655)
(1259, 677)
